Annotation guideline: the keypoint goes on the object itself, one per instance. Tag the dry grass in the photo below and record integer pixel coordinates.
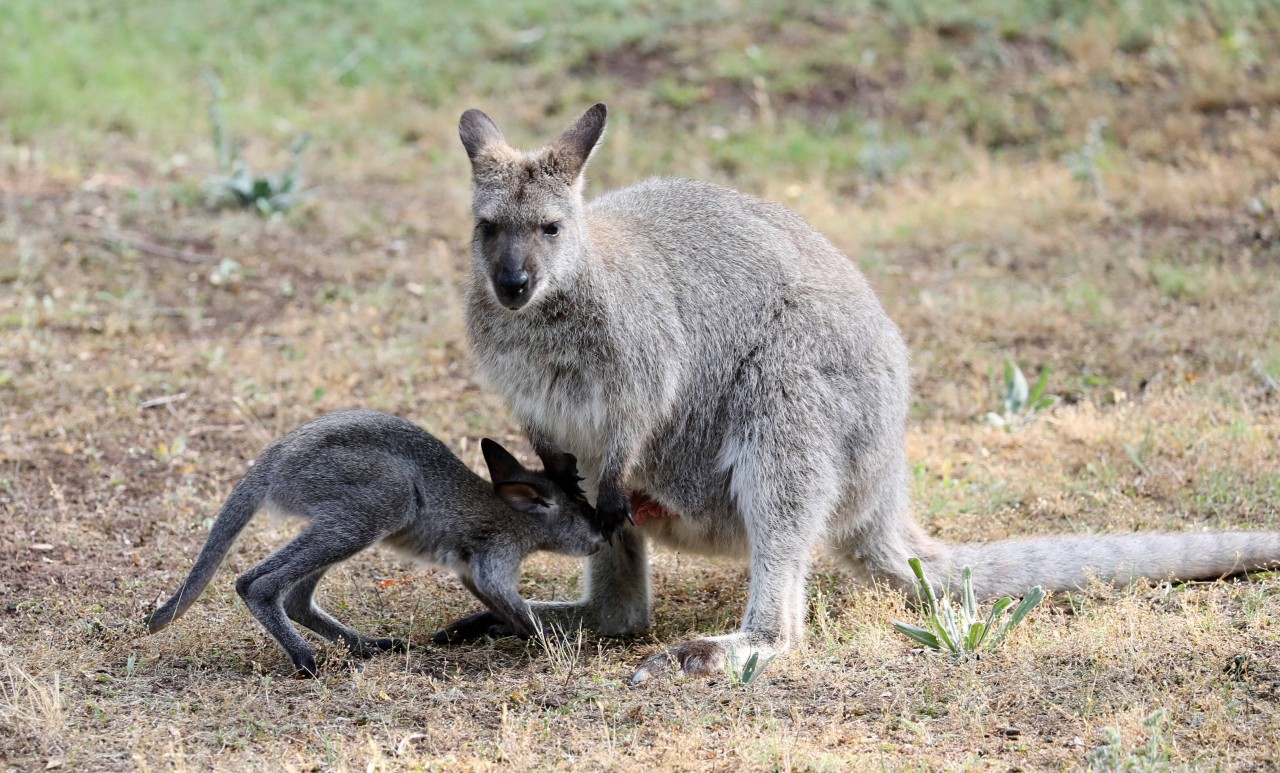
(134, 389)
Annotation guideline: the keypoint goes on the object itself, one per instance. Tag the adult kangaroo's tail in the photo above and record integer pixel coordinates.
(235, 514)
(1013, 567)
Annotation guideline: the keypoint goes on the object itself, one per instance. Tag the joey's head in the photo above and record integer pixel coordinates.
(529, 223)
(561, 522)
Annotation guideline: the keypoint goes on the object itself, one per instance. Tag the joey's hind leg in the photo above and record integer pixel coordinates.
(300, 606)
(264, 587)
(616, 601)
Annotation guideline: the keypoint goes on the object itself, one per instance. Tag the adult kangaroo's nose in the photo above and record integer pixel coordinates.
(512, 287)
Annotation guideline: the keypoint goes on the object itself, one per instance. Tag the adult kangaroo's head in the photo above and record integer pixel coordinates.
(529, 227)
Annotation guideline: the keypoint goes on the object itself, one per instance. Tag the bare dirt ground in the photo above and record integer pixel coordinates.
(150, 346)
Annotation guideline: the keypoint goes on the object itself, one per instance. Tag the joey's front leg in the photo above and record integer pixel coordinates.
(494, 582)
(616, 603)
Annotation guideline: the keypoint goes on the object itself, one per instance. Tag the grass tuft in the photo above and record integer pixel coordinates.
(1154, 757)
(750, 670)
(962, 632)
(1020, 402)
(563, 649)
(32, 707)
(236, 185)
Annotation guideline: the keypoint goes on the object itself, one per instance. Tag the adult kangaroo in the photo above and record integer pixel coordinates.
(716, 357)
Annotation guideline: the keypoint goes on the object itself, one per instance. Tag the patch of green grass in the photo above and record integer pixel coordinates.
(121, 67)
(1178, 282)
(841, 148)
(1228, 494)
(977, 74)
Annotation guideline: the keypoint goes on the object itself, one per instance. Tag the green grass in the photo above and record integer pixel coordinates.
(886, 86)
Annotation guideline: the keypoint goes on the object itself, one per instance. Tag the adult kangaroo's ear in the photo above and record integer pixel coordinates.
(575, 146)
(478, 133)
(503, 467)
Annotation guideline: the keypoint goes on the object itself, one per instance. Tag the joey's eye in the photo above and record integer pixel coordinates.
(485, 227)
(551, 229)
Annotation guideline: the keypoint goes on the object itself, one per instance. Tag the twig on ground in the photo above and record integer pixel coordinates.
(163, 400)
(186, 256)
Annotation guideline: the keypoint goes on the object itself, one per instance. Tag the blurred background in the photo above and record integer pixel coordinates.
(219, 219)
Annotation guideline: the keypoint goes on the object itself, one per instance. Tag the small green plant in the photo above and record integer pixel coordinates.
(168, 452)
(751, 669)
(1021, 402)
(1153, 757)
(235, 184)
(963, 632)
(1086, 163)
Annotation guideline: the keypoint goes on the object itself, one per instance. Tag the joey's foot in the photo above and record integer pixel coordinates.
(704, 657)
(367, 648)
(556, 618)
(304, 667)
(473, 627)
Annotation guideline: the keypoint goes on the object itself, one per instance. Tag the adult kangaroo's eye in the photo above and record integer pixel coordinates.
(485, 227)
(551, 229)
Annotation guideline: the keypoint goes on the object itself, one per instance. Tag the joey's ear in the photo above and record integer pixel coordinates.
(525, 497)
(478, 132)
(575, 146)
(503, 467)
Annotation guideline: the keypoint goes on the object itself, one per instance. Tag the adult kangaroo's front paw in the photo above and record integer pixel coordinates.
(563, 471)
(703, 657)
(613, 507)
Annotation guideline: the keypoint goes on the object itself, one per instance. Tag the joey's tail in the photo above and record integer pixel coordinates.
(235, 514)
(1013, 567)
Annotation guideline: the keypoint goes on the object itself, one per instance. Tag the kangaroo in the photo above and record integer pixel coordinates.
(717, 357)
(361, 477)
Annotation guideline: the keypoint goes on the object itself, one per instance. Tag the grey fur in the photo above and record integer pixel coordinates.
(718, 354)
(361, 477)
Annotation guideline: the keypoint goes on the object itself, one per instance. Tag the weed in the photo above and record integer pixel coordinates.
(1021, 403)
(168, 452)
(236, 185)
(969, 634)
(563, 649)
(749, 672)
(31, 705)
(1153, 757)
(878, 158)
(228, 272)
(1269, 384)
(1088, 162)
(1177, 282)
